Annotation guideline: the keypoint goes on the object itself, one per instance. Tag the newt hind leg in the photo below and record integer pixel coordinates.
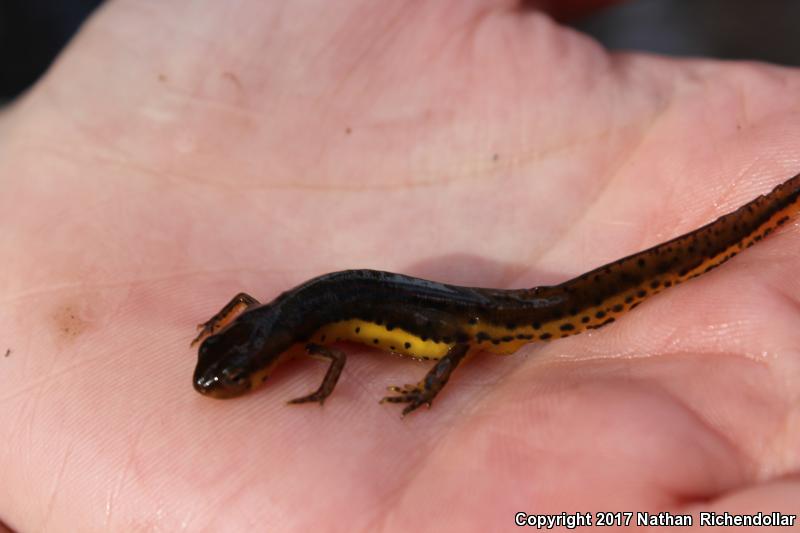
(434, 381)
(238, 304)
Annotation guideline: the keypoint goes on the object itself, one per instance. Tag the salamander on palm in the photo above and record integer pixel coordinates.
(246, 340)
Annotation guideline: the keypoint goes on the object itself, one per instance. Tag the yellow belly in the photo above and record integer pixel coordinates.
(395, 340)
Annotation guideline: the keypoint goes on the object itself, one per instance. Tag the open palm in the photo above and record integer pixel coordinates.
(181, 152)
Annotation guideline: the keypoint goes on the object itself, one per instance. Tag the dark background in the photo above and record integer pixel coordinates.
(33, 31)
(31, 34)
(765, 30)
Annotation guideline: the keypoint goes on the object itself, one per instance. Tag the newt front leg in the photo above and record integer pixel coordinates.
(426, 390)
(238, 305)
(325, 389)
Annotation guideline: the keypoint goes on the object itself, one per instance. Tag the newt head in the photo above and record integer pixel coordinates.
(239, 357)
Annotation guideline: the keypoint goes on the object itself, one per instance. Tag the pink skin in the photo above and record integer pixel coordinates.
(179, 152)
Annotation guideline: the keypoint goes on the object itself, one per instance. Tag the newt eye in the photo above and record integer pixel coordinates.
(233, 375)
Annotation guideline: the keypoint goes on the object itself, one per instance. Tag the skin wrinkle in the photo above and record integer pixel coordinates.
(29, 423)
(20, 424)
(408, 486)
(725, 502)
(726, 440)
(178, 97)
(674, 341)
(789, 386)
(115, 491)
(368, 49)
(737, 179)
(40, 383)
(357, 187)
(129, 163)
(56, 489)
(755, 466)
(219, 499)
(793, 302)
(705, 128)
(570, 226)
(414, 472)
(452, 42)
(781, 441)
(582, 214)
(791, 429)
(742, 101)
(130, 284)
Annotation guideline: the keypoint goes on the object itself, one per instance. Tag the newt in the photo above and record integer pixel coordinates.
(245, 341)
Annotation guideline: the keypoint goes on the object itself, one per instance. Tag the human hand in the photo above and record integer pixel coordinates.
(181, 152)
